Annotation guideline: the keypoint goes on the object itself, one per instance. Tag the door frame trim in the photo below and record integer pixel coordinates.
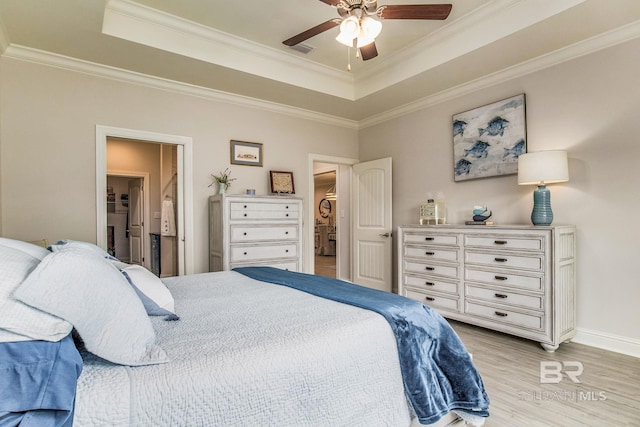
(185, 203)
(309, 261)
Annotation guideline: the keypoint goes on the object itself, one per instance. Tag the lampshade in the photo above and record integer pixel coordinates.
(349, 30)
(543, 167)
(370, 27)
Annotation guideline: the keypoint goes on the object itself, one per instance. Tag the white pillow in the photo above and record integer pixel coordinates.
(18, 321)
(90, 293)
(86, 246)
(29, 248)
(155, 296)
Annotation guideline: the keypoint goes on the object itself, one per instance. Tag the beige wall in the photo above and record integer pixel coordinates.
(48, 146)
(589, 107)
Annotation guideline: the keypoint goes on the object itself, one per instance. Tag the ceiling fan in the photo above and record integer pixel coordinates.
(359, 29)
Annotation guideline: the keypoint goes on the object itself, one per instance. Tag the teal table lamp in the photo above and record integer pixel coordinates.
(542, 168)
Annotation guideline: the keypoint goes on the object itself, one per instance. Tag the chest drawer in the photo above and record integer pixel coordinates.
(532, 243)
(283, 265)
(273, 211)
(431, 239)
(509, 317)
(516, 281)
(431, 268)
(427, 253)
(432, 300)
(249, 233)
(430, 284)
(253, 253)
(534, 302)
(534, 262)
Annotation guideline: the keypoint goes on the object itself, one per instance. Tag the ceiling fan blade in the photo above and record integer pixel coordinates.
(416, 11)
(369, 51)
(321, 28)
(331, 2)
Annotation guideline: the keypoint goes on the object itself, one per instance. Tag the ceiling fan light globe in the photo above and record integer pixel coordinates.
(371, 27)
(350, 27)
(364, 40)
(345, 40)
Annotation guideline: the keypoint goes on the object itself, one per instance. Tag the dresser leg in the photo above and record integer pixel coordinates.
(549, 347)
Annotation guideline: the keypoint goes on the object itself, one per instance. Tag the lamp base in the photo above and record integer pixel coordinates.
(542, 214)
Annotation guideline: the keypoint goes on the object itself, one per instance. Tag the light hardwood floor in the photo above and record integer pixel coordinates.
(325, 266)
(608, 394)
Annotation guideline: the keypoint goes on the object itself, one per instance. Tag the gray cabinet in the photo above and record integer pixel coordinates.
(255, 230)
(514, 279)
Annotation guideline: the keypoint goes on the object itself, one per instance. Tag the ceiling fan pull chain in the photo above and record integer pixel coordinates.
(348, 59)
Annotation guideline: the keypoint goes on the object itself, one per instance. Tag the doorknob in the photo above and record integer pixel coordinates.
(385, 235)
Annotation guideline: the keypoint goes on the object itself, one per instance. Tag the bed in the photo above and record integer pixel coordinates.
(230, 349)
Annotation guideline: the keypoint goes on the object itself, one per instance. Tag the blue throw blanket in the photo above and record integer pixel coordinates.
(437, 370)
(38, 382)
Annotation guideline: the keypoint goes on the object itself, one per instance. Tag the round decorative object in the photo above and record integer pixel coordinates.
(324, 208)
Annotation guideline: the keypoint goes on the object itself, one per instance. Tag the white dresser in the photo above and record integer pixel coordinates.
(255, 230)
(514, 279)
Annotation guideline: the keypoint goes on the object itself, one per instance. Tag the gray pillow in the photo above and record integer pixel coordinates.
(86, 290)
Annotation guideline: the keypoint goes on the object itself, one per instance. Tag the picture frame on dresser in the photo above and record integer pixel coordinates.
(282, 182)
(246, 153)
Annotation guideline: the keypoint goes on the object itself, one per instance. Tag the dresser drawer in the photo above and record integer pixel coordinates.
(509, 317)
(497, 259)
(431, 268)
(241, 233)
(433, 300)
(431, 239)
(534, 302)
(506, 279)
(248, 210)
(430, 284)
(253, 253)
(428, 253)
(496, 241)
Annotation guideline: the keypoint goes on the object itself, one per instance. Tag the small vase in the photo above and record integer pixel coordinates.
(222, 188)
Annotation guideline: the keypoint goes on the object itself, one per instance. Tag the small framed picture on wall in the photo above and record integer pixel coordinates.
(246, 153)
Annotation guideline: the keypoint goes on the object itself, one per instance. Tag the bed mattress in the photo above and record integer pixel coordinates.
(248, 353)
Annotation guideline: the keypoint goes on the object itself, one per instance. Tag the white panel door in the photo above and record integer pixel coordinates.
(136, 222)
(372, 226)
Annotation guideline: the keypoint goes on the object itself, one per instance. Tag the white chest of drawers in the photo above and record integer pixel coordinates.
(255, 230)
(514, 279)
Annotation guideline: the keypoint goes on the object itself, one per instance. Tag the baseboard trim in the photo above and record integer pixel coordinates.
(610, 342)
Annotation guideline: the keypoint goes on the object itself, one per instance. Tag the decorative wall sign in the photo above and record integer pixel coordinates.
(282, 182)
(488, 140)
(246, 153)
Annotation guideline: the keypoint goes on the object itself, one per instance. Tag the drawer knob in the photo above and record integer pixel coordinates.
(245, 253)
(287, 215)
(503, 296)
(286, 232)
(500, 242)
(500, 278)
(286, 251)
(428, 239)
(429, 268)
(245, 233)
(429, 283)
(500, 259)
(245, 214)
(429, 253)
(501, 314)
(287, 207)
(245, 206)
(429, 298)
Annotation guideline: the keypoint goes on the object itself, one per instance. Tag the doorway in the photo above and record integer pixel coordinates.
(325, 224)
(175, 186)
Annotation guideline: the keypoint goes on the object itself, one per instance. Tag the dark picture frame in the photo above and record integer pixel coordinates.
(246, 153)
(488, 140)
(282, 182)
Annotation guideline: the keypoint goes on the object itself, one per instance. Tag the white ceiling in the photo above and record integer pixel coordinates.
(235, 47)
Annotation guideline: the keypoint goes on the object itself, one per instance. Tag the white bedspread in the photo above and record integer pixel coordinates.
(247, 353)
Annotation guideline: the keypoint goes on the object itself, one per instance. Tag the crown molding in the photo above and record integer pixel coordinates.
(4, 39)
(144, 25)
(602, 41)
(98, 70)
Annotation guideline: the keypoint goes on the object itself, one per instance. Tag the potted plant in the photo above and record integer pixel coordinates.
(222, 180)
